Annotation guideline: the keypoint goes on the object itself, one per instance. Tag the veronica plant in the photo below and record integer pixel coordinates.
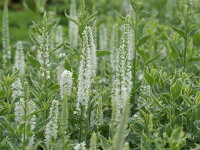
(5, 34)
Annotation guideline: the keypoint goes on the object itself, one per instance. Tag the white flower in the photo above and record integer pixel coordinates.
(73, 28)
(19, 58)
(113, 48)
(80, 146)
(17, 90)
(85, 72)
(59, 40)
(66, 83)
(19, 111)
(52, 127)
(123, 82)
(103, 37)
(92, 51)
(5, 34)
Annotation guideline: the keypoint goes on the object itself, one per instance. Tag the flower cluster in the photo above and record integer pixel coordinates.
(5, 33)
(87, 69)
(19, 58)
(103, 37)
(73, 28)
(81, 146)
(44, 49)
(52, 127)
(66, 83)
(123, 80)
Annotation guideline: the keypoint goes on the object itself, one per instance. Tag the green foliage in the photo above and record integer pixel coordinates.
(164, 102)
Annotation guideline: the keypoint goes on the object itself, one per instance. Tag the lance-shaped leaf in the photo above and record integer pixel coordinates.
(142, 41)
(70, 18)
(176, 89)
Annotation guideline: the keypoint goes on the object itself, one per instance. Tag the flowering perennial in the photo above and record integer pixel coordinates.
(19, 58)
(66, 83)
(52, 127)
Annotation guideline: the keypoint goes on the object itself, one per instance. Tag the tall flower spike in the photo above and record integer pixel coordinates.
(23, 108)
(73, 28)
(65, 114)
(51, 36)
(120, 135)
(17, 92)
(52, 127)
(44, 49)
(84, 75)
(119, 84)
(127, 56)
(123, 84)
(103, 37)
(66, 83)
(59, 40)
(19, 58)
(113, 48)
(92, 51)
(93, 142)
(5, 34)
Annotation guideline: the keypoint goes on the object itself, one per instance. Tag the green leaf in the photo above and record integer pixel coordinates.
(21, 130)
(30, 4)
(179, 31)
(134, 5)
(106, 145)
(174, 52)
(71, 19)
(149, 78)
(52, 25)
(100, 53)
(41, 125)
(33, 38)
(152, 59)
(13, 143)
(142, 41)
(67, 65)
(34, 62)
(194, 59)
(91, 17)
(193, 31)
(197, 124)
(28, 130)
(59, 46)
(177, 139)
(141, 26)
(6, 125)
(81, 28)
(176, 89)
(197, 99)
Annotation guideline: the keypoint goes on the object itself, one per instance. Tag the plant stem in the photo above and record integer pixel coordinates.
(135, 58)
(186, 40)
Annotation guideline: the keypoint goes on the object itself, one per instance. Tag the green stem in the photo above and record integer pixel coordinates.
(81, 116)
(135, 59)
(186, 40)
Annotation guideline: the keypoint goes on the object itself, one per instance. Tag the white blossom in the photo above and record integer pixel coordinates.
(51, 129)
(19, 58)
(73, 28)
(81, 146)
(92, 51)
(5, 34)
(123, 82)
(66, 83)
(17, 90)
(84, 78)
(103, 37)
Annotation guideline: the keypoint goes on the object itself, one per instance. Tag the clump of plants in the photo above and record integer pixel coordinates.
(119, 81)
